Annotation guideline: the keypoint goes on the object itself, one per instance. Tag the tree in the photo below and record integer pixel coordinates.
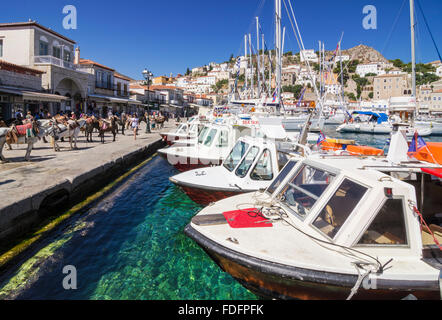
(351, 96)
(188, 72)
(371, 95)
(296, 89)
(398, 63)
(361, 83)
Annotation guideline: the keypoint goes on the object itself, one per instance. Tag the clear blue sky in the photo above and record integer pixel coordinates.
(170, 35)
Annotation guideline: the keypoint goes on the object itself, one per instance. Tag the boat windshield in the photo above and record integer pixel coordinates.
(304, 190)
(202, 135)
(247, 162)
(210, 137)
(281, 177)
(238, 152)
(182, 129)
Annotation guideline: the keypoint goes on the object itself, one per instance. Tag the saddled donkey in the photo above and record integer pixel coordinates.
(69, 130)
(26, 134)
(108, 126)
(4, 125)
(91, 124)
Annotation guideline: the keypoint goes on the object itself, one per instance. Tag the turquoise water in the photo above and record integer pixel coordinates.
(131, 246)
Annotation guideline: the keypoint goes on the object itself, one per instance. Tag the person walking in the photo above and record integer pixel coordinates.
(135, 123)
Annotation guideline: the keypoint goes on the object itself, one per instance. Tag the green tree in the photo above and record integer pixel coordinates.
(371, 95)
(296, 89)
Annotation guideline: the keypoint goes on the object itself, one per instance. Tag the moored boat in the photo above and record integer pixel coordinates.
(332, 227)
(252, 164)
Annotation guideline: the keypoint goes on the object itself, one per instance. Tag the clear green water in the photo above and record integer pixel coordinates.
(130, 246)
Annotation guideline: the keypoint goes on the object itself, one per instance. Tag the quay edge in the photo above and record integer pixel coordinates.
(21, 216)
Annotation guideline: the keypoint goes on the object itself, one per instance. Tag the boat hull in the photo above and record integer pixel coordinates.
(205, 196)
(276, 281)
(184, 164)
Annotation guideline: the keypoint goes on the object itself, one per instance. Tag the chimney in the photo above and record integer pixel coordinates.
(77, 56)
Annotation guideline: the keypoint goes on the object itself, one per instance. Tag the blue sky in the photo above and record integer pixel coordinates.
(170, 35)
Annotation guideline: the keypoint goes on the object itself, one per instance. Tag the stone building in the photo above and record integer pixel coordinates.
(391, 85)
(30, 44)
(21, 90)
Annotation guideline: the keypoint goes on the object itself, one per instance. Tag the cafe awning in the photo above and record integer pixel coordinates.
(33, 95)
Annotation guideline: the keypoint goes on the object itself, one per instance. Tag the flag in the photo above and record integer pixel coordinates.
(301, 97)
(274, 95)
(417, 144)
(321, 138)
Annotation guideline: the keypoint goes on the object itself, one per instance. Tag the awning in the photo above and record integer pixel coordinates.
(33, 95)
(97, 96)
(29, 95)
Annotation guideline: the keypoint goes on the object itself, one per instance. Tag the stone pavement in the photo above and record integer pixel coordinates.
(24, 185)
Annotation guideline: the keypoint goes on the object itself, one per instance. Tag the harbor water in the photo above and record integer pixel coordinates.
(131, 246)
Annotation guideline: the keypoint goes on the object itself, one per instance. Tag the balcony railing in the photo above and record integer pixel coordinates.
(54, 61)
(104, 85)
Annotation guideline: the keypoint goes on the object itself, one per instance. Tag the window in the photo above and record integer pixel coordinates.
(263, 169)
(210, 137)
(282, 175)
(245, 165)
(67, 56)
(388, 228)
(339, 208)
(56, 52)
(44, 48)
(305, 189)
(236, 155)
(1, 48)
(223, 139)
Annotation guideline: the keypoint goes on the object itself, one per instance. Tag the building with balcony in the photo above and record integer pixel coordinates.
(32, 45)
(21, 91)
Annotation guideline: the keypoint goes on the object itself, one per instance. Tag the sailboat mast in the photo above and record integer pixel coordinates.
(258, 57)
(278, 51)
(413, 48)
(251, 67)
(247, 66)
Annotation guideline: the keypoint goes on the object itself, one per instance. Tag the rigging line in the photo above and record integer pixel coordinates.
(429, 30)
(393, 27)
(320, 101)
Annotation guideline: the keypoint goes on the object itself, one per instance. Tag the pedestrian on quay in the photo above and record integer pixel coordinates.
(135, 123)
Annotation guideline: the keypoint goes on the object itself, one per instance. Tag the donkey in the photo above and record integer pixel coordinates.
(105, 126)
(70, 130)
(30, 141)
(91, 124)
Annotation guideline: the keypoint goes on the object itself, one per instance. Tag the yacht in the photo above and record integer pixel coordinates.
(369, 122)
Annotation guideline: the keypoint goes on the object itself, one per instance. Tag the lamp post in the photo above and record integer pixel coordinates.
(148, 75)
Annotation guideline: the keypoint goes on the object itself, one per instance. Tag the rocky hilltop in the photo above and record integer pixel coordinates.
(364, 54)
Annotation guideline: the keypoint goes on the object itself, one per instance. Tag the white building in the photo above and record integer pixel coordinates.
(374, 68)
(308, 55)
(342, 58)
(32, 45)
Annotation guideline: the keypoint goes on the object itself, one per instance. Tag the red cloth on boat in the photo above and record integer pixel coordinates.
(22, 129)
(246, 218)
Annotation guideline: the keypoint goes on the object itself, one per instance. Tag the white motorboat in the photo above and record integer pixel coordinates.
(185, 133)
(332, 227)
(377, 123)
(252, 164)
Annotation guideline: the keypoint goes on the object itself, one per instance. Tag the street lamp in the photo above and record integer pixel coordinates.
(148, 75)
